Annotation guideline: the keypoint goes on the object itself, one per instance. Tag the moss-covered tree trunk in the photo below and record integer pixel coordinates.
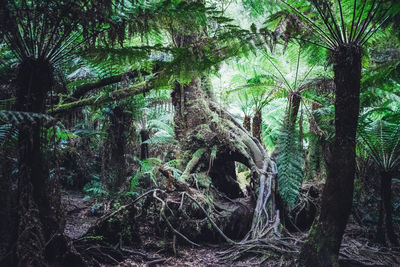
(211, 141)
(323, 244)
(385, 229)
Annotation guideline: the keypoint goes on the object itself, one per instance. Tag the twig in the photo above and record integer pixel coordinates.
(154, 262)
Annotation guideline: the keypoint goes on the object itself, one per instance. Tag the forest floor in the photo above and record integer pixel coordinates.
(80, 218)
(81, 215)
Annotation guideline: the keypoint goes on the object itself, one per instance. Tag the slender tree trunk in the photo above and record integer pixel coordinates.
(323, 244)
(144, 147)
(257, 125)
(117, 136)
(294, 106)
(385, 223)
(247, 123)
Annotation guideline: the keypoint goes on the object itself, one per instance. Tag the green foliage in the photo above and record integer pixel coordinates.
(290, 163)
(95, 188)
(59, 133)
(381, 140)
(147, 167)
(273, 115)
(324, 118)
(18, 117)
(163, 133)
(8, 134)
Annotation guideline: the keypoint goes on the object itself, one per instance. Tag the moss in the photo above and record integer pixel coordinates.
(92, 237)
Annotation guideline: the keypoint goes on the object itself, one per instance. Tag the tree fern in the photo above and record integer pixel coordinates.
(381, 140)
(8, 132)
(164, 133)
(290, 163)
(18, 117)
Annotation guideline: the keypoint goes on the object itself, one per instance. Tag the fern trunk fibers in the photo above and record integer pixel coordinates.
(8, 200)
(323, 244)
(294, 106)
(385, 223)
(247, 123)
(39, 209)
(257, 124)
(144, 147)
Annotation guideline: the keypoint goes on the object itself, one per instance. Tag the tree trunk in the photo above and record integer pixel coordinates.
(323, 244)
(247, 123)
(144, 147)
(294, 106)
(38, 217)
(117, 136)
(211, 140)
(385, 223)
(257, 124)
(40, 214)
(8, 212)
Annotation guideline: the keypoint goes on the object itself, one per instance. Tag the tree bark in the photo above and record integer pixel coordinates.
(144, 147)
(257, 125)
(140, 88)
(38, 219)
(323, 244)
(247, 123)
(84, 89)
(385, 224)
(116, 142)
(294, 106)
(40, 213)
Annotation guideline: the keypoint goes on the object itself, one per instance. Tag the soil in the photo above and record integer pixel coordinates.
(157, 251)
(78, 213)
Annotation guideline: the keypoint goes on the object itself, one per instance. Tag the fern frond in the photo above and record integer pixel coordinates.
(290, 164)
(8, 132)
(381, 140)
(18, 117)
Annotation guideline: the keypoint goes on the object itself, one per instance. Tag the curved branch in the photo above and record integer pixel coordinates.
(83, 89)
(140, 88)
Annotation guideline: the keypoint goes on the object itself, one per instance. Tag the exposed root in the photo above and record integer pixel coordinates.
(162, 214)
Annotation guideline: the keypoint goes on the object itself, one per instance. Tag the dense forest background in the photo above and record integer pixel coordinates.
(192, 132)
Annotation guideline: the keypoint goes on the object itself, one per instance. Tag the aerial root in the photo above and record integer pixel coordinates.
(164, 217)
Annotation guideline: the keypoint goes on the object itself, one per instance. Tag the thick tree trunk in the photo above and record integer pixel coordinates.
(8, 212)
(385, 223)
(201, 124)
(39, 218)
(247, 123)
(323, 244)
(257, 125)
(40, 214)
